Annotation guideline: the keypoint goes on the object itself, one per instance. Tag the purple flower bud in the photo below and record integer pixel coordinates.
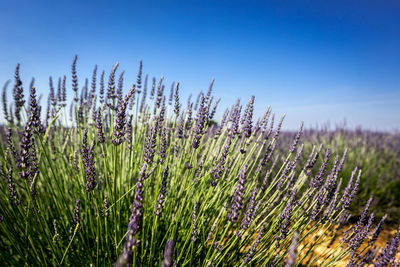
(150, 143)
(163, 144)
(171, 94)
(345, 200)
(278, 129)
(88, 162)
(210, 89)
(136, 217)
(377, 231)
(52, 96)
(332, 206)
(153, 88)
(200, 123)
(177, 104)
(217, 246)
(160, 92)
(75, 78)
(161, 196)
(18, 94)
(10, 145)
(237, 205)
(312, 160)
(64, 91)
(214, 109)
(248, 118)
(251, 210)
(129, 132)
(344, 157)
(34, 171)
(234, 117)
(120, 86)
(331, 182)
(363, 215)
(168, 254)
(59, 97)
(24, 154)
(102, 87)
(285, 218)
(77, 219)
(253, 249)
(218, 170)
(271, 128)
(120, 121)
(318, 179)
(296, 139)
(111, 87)
(34, 111)
(139, 78)
(180, 126)
(265, 119)
(11, 187)
(194, 223)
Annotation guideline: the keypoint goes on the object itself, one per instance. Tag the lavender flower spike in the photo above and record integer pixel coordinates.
(150, 143)
(247, 125)
(237, 205)
(194, 223)
(318, 179)
(11, 187)
(99, 126)
(177, 105)
(377, 231)
(168, 254)
(75, 78)
(24, 155)
(136, 217)
(77, 219)
(252, 251)
(200, 123)
(251, 210)
(18, 94)
(285, 217)
(218, 170)
(296, 139)
(120, 121)
(88, 162)
(161, 196)
(346, 200)
(34, 110)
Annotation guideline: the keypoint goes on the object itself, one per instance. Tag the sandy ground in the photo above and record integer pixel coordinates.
(322, 250)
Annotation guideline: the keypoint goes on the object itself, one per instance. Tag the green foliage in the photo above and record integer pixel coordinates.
(232, 197)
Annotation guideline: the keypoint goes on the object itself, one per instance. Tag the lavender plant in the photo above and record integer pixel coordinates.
(167, 187)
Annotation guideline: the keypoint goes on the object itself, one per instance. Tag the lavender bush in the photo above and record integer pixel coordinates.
(134, 181)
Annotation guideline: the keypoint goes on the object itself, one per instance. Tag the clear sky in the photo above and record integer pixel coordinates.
(317, 61)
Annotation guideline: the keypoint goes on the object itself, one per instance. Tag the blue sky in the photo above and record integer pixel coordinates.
(317, 61)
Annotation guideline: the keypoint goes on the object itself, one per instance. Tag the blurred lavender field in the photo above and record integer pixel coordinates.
(376, 153)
